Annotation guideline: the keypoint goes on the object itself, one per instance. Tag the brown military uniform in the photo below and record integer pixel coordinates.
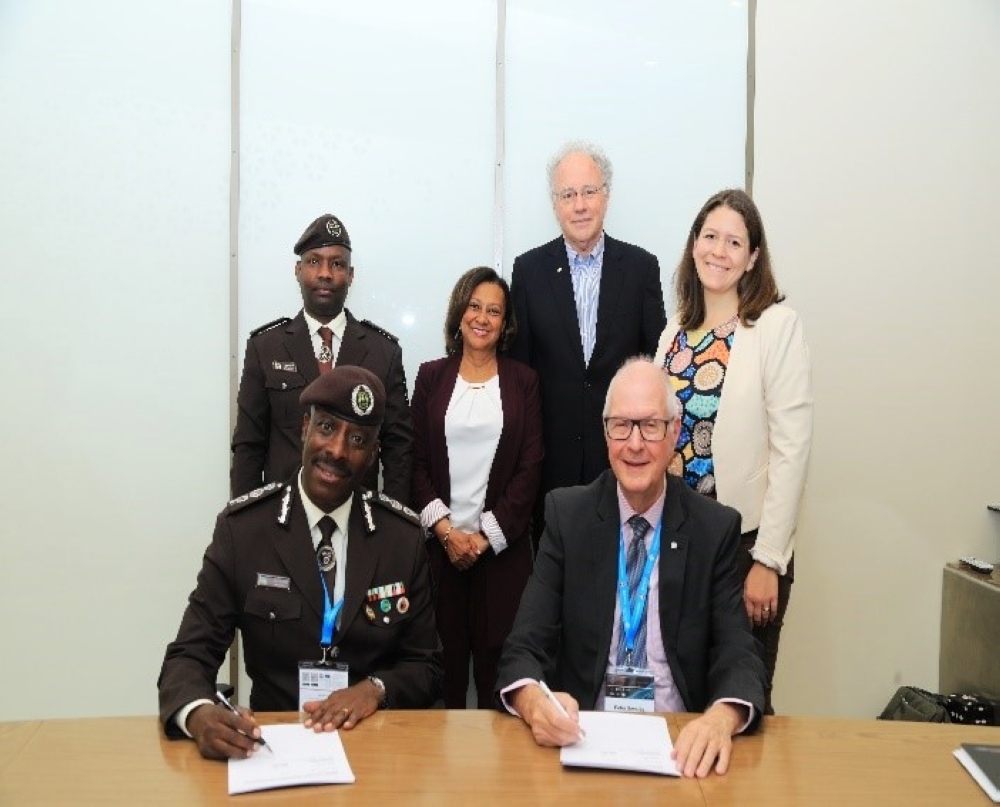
(279, 363)
(259, 574)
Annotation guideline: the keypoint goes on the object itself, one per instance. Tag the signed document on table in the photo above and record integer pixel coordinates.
(622, 742)
(301, 757)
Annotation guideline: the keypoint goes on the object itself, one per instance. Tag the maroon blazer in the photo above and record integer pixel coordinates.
(514, 477)
(498, 580)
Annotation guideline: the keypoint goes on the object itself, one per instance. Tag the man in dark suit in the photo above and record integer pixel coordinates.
(697, 646)
(584, 303)
(284, 356)
(312, 570)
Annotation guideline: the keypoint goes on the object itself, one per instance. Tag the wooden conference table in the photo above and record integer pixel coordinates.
(479, 757)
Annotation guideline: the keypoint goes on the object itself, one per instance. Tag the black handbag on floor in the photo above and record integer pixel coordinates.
(974, 710)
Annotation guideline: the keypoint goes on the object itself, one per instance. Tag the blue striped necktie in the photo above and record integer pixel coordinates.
(634, 564)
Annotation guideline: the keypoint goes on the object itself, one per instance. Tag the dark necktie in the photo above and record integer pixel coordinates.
(325, 556)
(326, 351)
(634, 564)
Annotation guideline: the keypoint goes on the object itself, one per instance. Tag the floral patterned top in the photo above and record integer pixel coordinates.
(697, 374)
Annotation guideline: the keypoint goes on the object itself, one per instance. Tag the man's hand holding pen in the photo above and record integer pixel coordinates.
(553, 717)
(221, 733)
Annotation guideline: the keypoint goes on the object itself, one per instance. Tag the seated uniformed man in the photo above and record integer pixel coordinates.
(284, 356)
(328, 584)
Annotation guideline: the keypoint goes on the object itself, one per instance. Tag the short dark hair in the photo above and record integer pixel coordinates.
(757, 289)
(459, 302)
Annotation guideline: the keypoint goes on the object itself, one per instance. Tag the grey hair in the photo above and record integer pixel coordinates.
(596, 153)
(674, 408)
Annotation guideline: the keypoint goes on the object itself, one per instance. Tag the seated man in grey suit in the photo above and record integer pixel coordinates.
(681, 645)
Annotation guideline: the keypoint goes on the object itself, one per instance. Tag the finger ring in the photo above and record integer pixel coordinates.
(344, 712)
(767, 610)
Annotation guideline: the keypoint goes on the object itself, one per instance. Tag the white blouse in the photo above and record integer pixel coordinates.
(472, 427)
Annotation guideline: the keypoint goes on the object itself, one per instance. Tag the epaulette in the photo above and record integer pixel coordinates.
(257, 495)
(388, 503)
(369, 324)
(267, 326)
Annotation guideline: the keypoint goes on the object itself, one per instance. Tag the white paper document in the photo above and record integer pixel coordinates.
(623, 742)
(301, 757)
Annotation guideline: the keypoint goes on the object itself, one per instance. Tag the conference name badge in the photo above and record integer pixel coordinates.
(317, 681)
(628, 689)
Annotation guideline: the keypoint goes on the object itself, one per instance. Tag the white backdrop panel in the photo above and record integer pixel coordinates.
(660, 86)
(384, 115)
(114, 154)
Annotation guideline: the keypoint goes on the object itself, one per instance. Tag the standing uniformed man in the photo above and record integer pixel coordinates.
(329, 585)
(284, 356)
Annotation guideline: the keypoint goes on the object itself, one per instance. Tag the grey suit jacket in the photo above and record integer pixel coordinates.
(564, 624)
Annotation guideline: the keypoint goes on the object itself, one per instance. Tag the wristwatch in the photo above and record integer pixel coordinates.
(384, 703)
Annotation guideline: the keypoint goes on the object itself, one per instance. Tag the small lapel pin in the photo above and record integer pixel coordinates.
(558, 269)
(673, 544)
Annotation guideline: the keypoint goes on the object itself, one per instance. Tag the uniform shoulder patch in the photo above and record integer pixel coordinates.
(388, 503)
(268, 325)
(369, 324)
(237, 504)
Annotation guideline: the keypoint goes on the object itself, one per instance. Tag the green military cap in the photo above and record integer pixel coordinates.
(351, 393)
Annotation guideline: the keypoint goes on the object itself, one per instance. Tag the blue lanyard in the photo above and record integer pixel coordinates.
(329, 614)
(632, 612)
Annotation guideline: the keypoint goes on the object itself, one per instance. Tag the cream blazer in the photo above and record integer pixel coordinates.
(763, 429)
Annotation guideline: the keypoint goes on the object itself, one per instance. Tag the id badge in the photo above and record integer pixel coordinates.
(318, 681)
(628, 689)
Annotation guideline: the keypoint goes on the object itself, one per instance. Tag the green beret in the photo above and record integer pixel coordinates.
(351, 393)
(326, 231)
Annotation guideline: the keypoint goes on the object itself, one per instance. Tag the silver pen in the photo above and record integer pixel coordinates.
(225, 702)
(559, 707)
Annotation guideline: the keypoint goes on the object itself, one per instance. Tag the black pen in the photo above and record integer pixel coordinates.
(225, 702)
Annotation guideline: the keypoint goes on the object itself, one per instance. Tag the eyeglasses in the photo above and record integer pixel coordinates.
(568, 195)
(652, 430)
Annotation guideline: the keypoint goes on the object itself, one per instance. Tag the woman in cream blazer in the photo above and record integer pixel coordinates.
(748, 435)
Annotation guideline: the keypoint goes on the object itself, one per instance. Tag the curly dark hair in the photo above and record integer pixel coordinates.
(459, 302)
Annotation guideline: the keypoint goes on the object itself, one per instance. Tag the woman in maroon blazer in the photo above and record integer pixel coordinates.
(477, 453)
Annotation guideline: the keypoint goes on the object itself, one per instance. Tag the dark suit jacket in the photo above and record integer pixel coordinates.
(630, 317)
(281, 627)
(267, 440)
(563, 629)
(513, 479)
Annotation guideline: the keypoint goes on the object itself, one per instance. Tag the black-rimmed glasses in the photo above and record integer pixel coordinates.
(652, 430)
